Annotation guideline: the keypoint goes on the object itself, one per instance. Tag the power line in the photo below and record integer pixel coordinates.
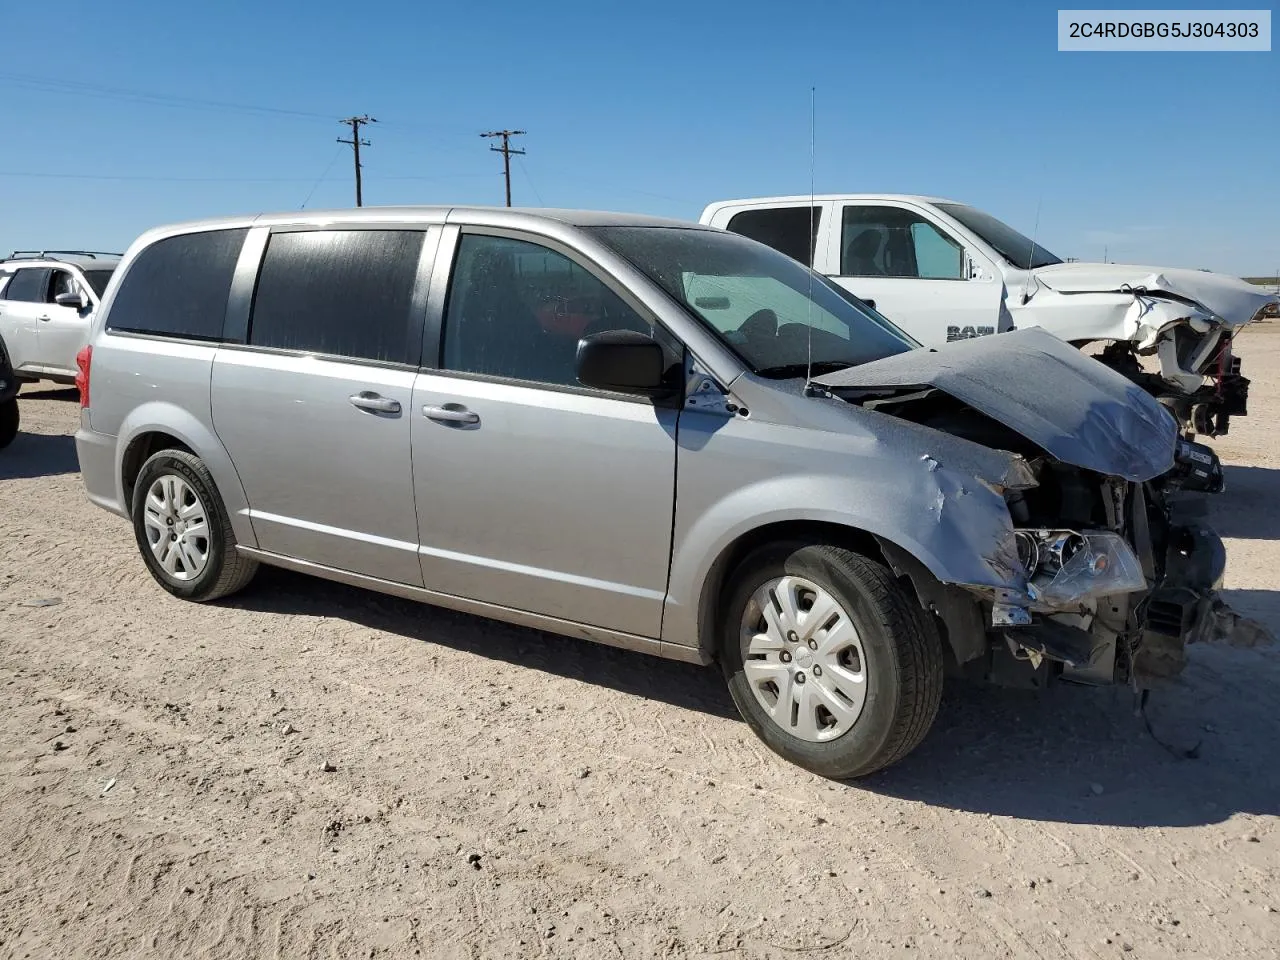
(14, 174)
(320, 179)
(506, 152)
(525, 170)
(356, 143)
(76, 88)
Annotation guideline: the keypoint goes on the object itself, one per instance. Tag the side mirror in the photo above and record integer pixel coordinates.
(623, 361)
(71, 299)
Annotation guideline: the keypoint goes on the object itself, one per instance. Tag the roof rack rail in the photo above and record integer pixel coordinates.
(55, 254)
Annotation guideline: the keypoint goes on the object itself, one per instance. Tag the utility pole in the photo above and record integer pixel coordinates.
(506, 152)
(356, 143)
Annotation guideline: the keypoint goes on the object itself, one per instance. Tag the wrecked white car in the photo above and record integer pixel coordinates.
(947, 271)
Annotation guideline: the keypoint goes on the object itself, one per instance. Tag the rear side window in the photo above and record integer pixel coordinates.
(178, 287)
(346, 293)
(27, 286)
(789, 230)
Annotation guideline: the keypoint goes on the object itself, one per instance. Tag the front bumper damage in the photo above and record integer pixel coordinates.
(1095, 571)
(1199, 381)
(1168, 572)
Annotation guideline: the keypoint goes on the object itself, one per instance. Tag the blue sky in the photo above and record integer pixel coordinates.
(659, 107)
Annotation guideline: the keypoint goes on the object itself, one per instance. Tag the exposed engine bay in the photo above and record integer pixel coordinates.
(1199, 380)
(1112, 574)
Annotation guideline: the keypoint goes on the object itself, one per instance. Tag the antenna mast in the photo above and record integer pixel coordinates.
(808, 367)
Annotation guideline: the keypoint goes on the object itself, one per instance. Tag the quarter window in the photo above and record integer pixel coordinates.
(27, 286)
(178, 286)
(517, 310)
(894, 242)
(789, 230)
(346, 293)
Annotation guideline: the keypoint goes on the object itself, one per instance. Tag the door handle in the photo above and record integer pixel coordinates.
(451, 413)
(46, 318)
(374, 403)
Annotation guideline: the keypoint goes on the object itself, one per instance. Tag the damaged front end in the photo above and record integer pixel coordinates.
(1169, 331)
(1106, 576)
(1119, 579)
(1199, 379)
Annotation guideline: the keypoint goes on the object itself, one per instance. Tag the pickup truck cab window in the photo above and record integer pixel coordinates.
(793, 230)
(896, 242)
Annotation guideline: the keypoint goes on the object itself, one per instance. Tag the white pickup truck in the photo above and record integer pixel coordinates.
(943, 271)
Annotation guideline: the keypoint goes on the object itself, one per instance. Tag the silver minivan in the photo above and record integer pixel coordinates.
(647, 433)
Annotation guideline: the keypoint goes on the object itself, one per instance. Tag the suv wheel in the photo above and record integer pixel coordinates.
(9, 420)
(829, 659)
(183, 531)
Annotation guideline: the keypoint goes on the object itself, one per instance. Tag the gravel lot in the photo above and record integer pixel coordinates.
(308, 770)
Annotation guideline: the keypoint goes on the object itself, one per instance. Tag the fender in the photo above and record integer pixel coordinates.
(966, 537)
(167, 418)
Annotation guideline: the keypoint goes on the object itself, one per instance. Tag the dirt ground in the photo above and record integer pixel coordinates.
(307, 770)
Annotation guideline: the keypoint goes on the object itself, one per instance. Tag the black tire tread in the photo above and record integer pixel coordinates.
(914, 636)
(918, 648)
(237, 569)
(10, 420)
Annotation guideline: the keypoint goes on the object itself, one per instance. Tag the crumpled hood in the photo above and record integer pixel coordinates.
(1230, 298)
(1068, 404)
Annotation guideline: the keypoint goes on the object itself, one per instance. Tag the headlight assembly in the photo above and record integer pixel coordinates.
(1065, 567)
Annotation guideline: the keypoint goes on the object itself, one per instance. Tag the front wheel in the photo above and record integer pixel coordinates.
(183, 531)
(829, 659)
(9, 420)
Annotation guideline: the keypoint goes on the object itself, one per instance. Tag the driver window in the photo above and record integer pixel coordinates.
(517, 309)
(895, 242)
(63, 282)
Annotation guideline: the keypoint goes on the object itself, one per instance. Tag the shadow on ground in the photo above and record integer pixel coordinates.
(49, 391)
(678, 684)
(38, 455)
(1249, 506)
(992, 751)
(1260, 605)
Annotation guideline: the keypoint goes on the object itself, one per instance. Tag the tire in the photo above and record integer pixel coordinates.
(203, 567)
(9, 420)
(870, 627)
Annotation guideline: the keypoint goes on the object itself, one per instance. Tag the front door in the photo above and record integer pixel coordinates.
(535, 493)
(916, 273)
(315, 409)
(62, 330)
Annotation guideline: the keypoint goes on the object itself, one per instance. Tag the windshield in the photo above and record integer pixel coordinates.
(772, 311)
(98, 280)
(1008, 242)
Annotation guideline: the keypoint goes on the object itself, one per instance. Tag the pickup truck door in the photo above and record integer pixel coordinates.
(914, 270)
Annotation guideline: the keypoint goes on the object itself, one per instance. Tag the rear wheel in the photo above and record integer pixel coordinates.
(183, 531)
(9, 420)
(829, 659)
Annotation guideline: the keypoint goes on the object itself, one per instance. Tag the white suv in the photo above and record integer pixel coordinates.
(47, 299)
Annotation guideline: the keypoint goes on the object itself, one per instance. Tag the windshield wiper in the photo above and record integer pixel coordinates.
(784, 371)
